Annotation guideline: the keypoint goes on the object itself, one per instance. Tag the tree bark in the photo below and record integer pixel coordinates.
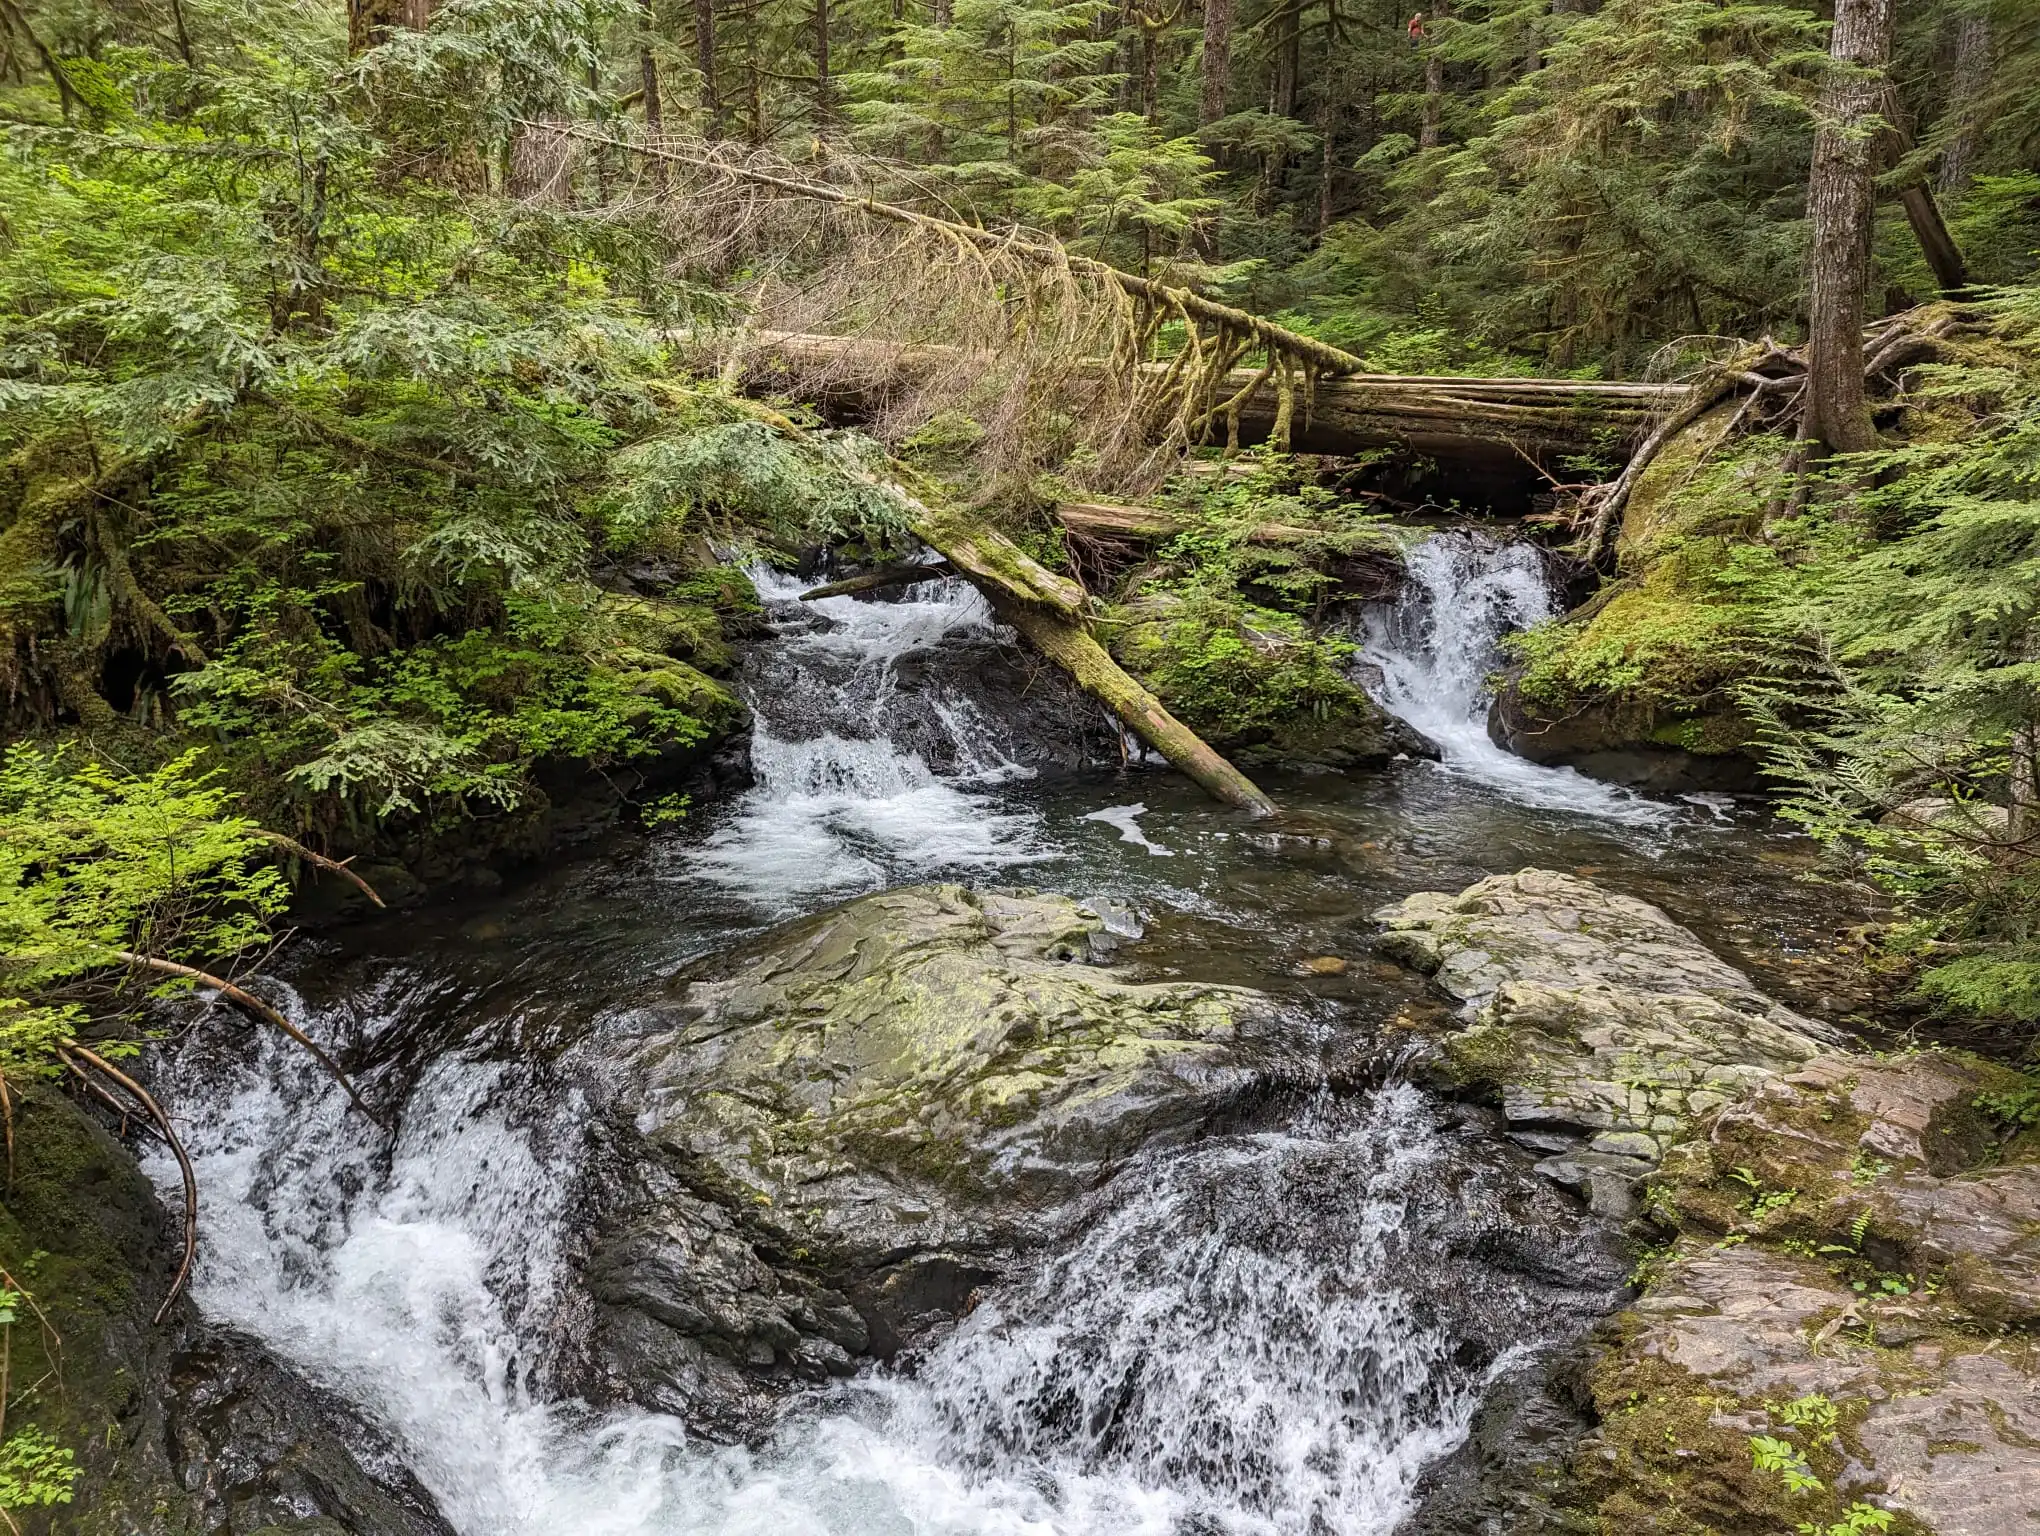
(704, 59)
(1840, 201)
(822, 107)
(1971, 78)
(1434, 85)
(1218, 19)
(370, 22)
(1944, 256)
(648, 73)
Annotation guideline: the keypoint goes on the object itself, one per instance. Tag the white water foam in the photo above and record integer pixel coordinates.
(1192, 1364)
(1436, 648)
(841, 804)
(1127, 819)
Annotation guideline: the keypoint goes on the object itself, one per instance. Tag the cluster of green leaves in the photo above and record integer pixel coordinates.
(322, 445)
(98, 863)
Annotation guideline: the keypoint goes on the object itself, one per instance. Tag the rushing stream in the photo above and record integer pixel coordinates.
(1277, 1328)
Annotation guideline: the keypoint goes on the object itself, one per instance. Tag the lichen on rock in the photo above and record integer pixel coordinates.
(1854, 1277)
(1592, 1017)
(846, 1127)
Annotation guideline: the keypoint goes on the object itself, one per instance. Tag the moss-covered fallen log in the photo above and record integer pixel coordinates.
(1071, 646)
(1053, 613)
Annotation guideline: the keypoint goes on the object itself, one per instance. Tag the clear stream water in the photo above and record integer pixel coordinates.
(1272, 1330)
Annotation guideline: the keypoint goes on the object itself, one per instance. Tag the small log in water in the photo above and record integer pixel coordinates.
(885, 576)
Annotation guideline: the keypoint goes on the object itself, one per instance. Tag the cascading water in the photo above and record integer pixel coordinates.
(1437, 646)
(861, 777)
(1266, 1333)
(1249, 1337)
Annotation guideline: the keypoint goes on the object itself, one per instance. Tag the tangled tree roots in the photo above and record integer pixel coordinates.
(1772, 381)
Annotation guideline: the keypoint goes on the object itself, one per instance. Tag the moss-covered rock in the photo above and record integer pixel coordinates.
(1592, 1016)
(1258, 685)
(847, 1126)
(1637, 685)
(1846, 1309)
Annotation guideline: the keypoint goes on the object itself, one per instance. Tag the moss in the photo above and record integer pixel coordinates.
(1679, 626)
(80, 1228)
(1254, 683)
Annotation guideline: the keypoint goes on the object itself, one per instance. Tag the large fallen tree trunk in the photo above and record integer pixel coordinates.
(1441, 416)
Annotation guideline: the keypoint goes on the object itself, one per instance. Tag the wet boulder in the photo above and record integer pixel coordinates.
(839, 1132)
(1602, 1026)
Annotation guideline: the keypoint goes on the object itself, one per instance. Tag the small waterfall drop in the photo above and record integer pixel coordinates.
(864, 773)
(1436, 648)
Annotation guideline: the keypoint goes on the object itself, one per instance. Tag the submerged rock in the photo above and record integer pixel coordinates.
(1603, 1026)
(841, 1131)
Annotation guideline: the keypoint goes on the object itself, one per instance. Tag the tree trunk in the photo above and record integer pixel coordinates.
(1840, 201)
(704, 60)
(822, 107)
(1049, 610)
(1150, 71)
(1218, 17)
(1434, 86)
(1971, 78)
(1328, 165)
(1944, 256)
(370, 22)
(648, 71)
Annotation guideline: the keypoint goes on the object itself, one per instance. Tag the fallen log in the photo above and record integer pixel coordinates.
(1053, 612)
(1070, 646)
(1441, 416)
(876, 581)
(1114, 520)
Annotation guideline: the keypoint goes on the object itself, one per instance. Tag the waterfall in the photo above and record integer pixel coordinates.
(1249, 1339)
(1436, 648)
(863, 774)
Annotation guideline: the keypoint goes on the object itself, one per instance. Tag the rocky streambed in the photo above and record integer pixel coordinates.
(935, 1137)
(955, 1180)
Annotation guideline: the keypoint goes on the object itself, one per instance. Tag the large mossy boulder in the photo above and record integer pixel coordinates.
(1638, 684)
(1259, 686)
(840, 1131)
(1602, 1026)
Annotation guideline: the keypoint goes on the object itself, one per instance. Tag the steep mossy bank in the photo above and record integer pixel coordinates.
(1259, 685)
(1639, 683)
